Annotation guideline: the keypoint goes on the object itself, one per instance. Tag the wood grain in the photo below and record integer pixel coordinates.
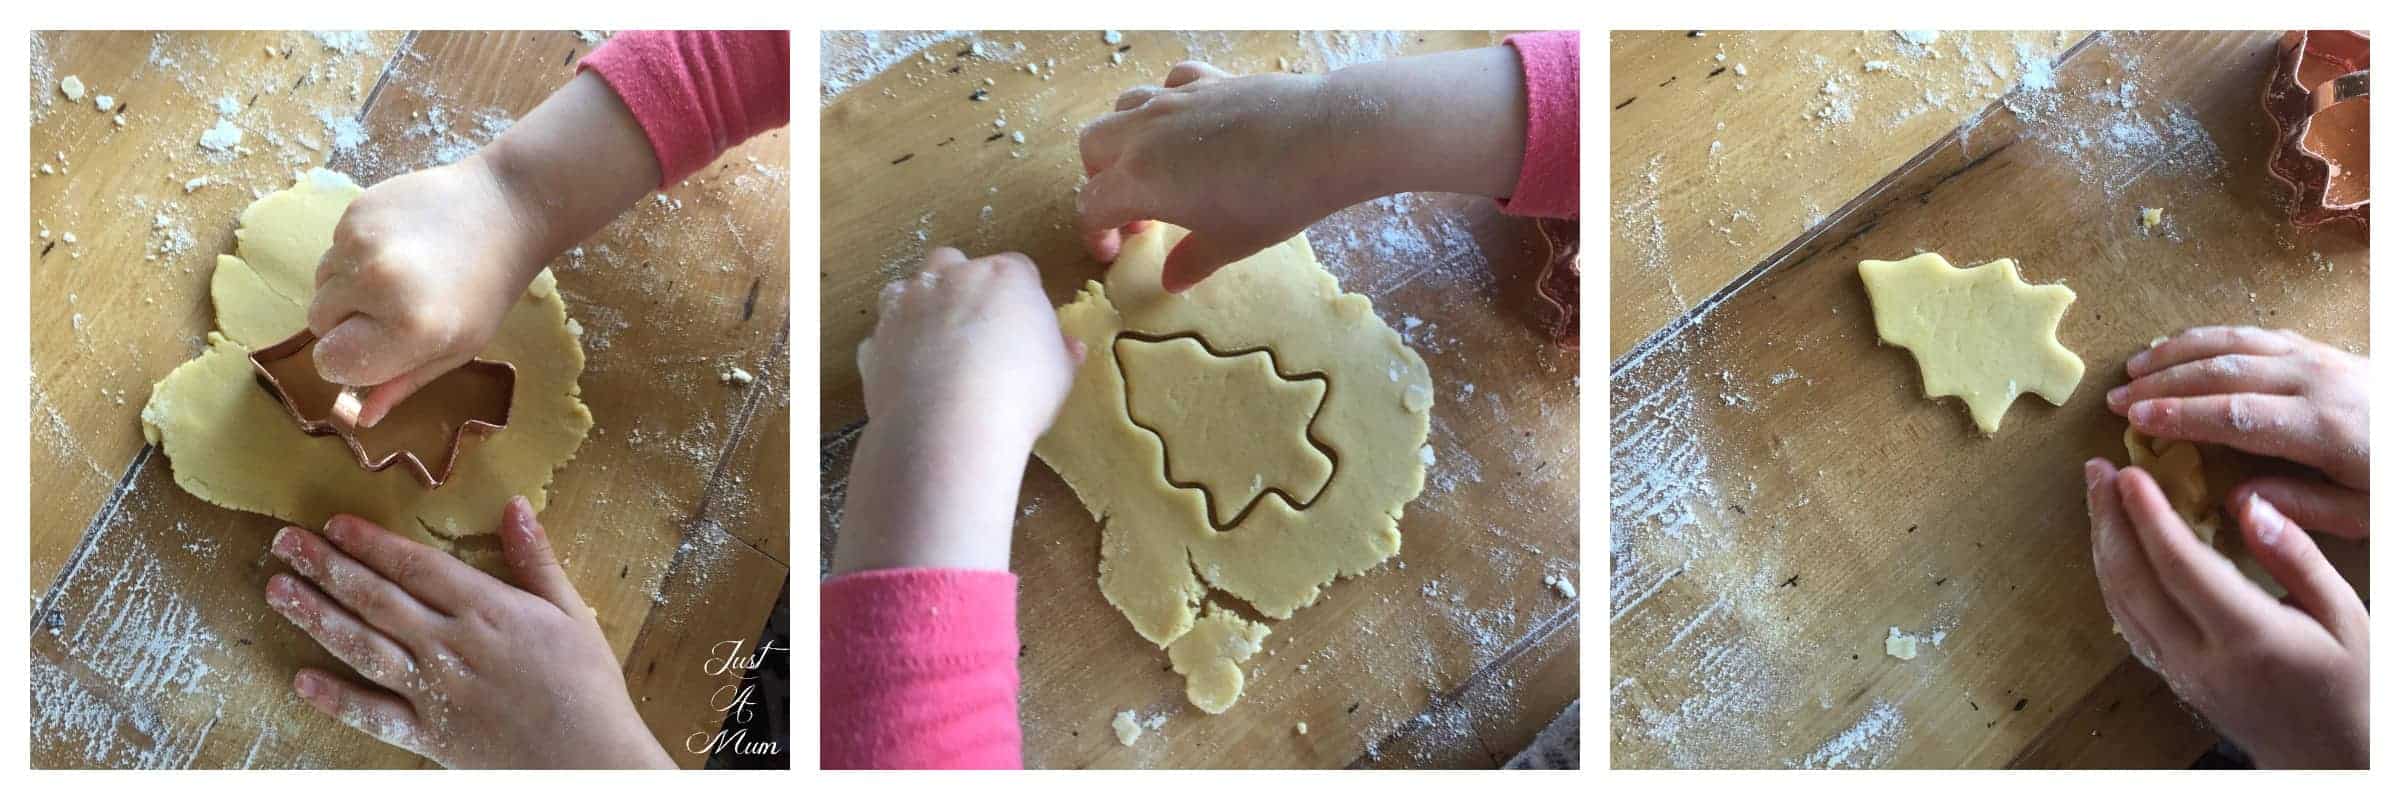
(673, 517)
(1782, 495)
(1465, 652)
(1733, 143)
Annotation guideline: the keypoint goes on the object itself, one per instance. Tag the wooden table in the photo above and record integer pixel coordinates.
(1465, 652)
(152, 646)
(1782, 496)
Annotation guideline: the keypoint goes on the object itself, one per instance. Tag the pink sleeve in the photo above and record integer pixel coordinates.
(1549, 185)
(920, 670)
(698, 93)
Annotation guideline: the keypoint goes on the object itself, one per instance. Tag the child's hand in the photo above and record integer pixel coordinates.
(424, 266)
(966, 368)
(468, 671)
(2273, 393)
(1251, 161)
(422, 270)
(2287, 683)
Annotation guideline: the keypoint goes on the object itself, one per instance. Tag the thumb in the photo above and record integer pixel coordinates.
(1199, 256)
(362, 351)
(2294, 560)
(388, 395)
(526, 547)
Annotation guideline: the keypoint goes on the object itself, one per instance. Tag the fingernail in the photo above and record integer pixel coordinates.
(2264, 520)
(2091, 473)
(2116, 397)
(2135, 363)
(286, 541)
(2143, 413)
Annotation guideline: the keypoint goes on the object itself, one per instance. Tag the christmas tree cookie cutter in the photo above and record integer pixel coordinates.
(503, 374)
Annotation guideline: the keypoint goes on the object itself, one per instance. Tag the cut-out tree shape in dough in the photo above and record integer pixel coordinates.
(1982, 335)
(1237, 452)
(1159, 555)
(231, 443)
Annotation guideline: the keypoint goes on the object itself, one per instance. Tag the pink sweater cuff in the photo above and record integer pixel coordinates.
(698, 93)
(920, 670)
(1550, 183)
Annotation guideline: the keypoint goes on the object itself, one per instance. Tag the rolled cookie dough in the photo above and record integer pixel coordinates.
(230, 443)
(1159, 554)
(1982, 334)
(2184, 479)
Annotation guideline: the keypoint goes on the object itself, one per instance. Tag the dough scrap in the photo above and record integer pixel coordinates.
(1157, 546)
(1210, 658)
(1237, 451)
(1900, 645)
(230, 443)
(1981, 334)
(2184, 480)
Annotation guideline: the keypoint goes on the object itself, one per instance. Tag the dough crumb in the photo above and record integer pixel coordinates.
(72, 87)
(1127, 729)
(1900, 645)
(2151, 217)
(1110, 38)
(1300, 728)
(1561, 584)
(104, 102)
(194, 184)
(736, 376)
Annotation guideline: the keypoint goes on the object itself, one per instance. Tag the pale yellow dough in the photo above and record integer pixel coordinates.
(1176, 388)
(2184, 479)
(231, 443)
(1210, 658)
(1157, 544)
(1982, 334)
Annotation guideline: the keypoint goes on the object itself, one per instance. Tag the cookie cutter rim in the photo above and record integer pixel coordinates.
(505, 372)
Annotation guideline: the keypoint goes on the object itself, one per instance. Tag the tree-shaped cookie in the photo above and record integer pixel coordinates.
(1981, 334)
(1234, 452)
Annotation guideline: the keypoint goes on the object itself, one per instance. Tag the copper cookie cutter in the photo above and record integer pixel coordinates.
(504, 375)
(2317, 99)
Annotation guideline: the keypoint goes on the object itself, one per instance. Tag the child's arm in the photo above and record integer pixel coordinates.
(966, 368)
(462, 668)
(1246, 162)
(424, 266)
(2286, 682)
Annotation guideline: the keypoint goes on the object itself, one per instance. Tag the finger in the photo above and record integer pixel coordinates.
(2272, 425)
(2211, 592)
(2293, 558)
(1197, 257)
(1076, 351)
(439, 581)
(1015, 266)
(1190, 72)
(1110, 201)
(2202, 342)
(526, 547)
(363, 351)
(1133, 98)
(2230, 373)
(1104, 246)
(352, 641)
(1101, 142)
(359, 588)
(944, 257)
(2127, 583)
(333, 302)
(388, 395)
(379, 714)
(2316, 505)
